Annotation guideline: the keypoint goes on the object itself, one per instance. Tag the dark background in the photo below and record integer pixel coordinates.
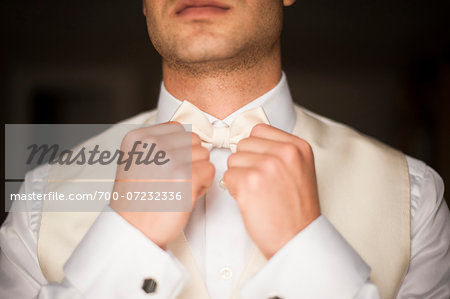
(382, 67)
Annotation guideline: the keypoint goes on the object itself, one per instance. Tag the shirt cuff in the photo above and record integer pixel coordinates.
(317, 263)
(114, 258)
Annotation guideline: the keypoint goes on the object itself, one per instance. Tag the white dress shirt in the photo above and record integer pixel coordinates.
(114, 258)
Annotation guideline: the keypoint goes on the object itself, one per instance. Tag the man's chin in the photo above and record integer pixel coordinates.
(204, 53)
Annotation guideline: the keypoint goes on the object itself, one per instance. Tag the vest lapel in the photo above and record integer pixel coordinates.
(195, 287)
(364, 191)
(255, 262)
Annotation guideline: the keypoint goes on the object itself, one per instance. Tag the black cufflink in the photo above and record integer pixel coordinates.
(149, 285)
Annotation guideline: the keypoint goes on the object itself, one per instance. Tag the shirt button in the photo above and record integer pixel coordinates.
(226, 273)
(222, 184)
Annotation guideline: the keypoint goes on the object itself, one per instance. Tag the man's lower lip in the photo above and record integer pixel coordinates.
(202, 11)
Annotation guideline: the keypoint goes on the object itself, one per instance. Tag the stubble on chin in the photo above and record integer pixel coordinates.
(205, 49)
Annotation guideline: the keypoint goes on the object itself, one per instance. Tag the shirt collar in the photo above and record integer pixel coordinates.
(277, 104)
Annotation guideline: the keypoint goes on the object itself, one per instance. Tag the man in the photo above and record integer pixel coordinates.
(224, 58)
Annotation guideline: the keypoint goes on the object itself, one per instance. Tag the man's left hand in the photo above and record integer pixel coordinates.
(272, 177)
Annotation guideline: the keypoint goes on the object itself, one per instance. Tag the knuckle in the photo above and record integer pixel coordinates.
(201, 152)
(289, 151)
(210, 167)
(174, 124)
(254, 178)
(271, 164)
(258, 129)
(211, 170)
(196, 139)
(130, 137)
(138, 135)
(204, 153)
(242, 143)
(306, 150)
(231, 160)
(204, 167)
(304, 145)
(226, 176)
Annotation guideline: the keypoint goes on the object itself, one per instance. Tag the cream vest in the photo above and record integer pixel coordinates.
(363, 188)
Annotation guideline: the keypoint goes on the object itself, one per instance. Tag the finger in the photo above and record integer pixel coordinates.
(286, 152)
(184, 155)
(199, 153)
(264, 163)
(245, 159)
(202, 177)
(265, 131)
(174, 140)
(188, 154)
(196, 139)
(260, 145)
(235, 176)
(164, 142)
(290, 155)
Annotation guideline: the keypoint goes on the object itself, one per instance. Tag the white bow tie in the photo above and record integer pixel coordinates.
(220, 137)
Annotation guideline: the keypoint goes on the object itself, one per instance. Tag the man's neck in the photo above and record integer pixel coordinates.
(221, 93)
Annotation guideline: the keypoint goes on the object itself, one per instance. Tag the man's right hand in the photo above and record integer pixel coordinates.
(161, 227)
